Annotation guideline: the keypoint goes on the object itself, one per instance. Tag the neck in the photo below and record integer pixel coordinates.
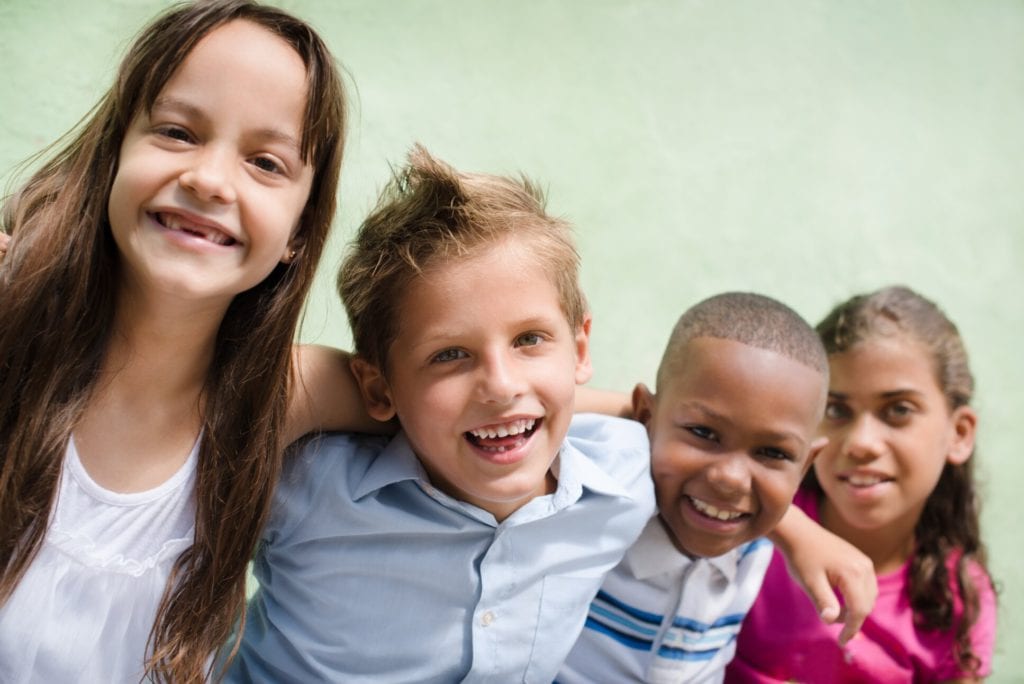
(145, 411)
(888, 546)
(161, 347)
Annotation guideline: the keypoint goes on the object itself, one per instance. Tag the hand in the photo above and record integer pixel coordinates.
(823, 563)
(5, 240)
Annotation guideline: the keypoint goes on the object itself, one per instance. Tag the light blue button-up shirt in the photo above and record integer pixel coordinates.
(369, 574)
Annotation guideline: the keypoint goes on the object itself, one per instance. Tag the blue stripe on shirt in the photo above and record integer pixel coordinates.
(624, 639)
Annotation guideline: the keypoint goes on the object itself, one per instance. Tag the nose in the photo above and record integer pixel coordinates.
(730, 474)
(209, 176)
(500, 379)
(863, 439)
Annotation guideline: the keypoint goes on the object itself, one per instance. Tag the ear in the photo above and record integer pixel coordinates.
(816, 448)
(583, 368)
(643, 405)
(374, 388)
(292, 250)
(964, 423)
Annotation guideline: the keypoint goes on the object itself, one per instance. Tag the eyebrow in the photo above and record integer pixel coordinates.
(189, 109)
(890, 394)
(770, 435)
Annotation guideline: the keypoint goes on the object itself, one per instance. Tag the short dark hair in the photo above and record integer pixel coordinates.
(751, 319)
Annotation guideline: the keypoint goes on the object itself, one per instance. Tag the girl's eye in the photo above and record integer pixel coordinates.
(701, 432)
(448, 355)
(267, 164)
(899, 412)
(836, 411)
(528, 340)
(175, 133)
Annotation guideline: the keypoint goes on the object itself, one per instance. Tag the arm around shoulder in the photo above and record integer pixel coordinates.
(823, 563)
(325, 395)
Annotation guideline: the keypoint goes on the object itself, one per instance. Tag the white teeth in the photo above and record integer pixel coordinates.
(516, 427)
(175, 222)
(863, 480)
(713, 511)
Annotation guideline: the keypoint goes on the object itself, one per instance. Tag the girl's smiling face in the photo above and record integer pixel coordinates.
(211, 183)
(891, 432)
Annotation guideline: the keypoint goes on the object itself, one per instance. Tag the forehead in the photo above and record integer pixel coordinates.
(882, 364)
(745, 384)
(241, 61)
(501, 283)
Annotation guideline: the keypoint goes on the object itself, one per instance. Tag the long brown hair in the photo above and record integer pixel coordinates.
(949, 523)
(57, 287)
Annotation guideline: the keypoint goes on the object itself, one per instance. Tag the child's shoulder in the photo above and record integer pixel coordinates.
(617, 447)
(328, 464)
(596, 434)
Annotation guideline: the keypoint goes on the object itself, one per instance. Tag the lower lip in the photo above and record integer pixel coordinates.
(706, 522)
(184, 238)
(865, 492)
(510, 455)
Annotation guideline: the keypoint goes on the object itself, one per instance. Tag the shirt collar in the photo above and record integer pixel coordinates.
(395, 463)
(654, 554)
(573, 470)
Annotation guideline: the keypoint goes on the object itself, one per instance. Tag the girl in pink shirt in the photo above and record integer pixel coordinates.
(896, 480)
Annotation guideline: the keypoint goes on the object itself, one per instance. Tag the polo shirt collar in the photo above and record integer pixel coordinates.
(654, 554)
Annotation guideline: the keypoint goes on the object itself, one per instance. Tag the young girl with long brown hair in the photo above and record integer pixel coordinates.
(896, 480)
(151, 290)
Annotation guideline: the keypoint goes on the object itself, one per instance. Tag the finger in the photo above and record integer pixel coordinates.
(824, 599)
(859, 592)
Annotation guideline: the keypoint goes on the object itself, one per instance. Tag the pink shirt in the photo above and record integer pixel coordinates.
(783, 639)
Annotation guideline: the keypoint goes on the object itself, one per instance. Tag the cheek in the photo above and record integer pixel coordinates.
(777, 491)
(668, 466)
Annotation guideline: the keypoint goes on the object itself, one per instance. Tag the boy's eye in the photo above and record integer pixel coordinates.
(775, 454)
(528, 340)
(448, 355)
(702, 432)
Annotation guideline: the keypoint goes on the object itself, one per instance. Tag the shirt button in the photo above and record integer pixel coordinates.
(487, 618)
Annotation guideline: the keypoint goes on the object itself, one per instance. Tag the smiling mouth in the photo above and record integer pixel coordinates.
(208, 233)
(864, 480)
(710, 511)
(503, 437)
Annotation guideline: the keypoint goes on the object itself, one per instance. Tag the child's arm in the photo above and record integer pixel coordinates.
(608, 402)
(819, 561)
(325, 395)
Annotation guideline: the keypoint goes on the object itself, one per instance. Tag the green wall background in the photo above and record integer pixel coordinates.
(806, 149)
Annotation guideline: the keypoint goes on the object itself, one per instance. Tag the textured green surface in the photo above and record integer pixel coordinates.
(807, 150)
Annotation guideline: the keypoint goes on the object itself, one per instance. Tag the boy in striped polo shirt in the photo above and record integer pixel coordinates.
(740, 391)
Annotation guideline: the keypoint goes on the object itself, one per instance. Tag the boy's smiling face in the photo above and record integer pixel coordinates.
(732, 434)
(482, 376)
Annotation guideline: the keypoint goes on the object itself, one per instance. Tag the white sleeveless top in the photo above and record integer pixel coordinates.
(84, 610)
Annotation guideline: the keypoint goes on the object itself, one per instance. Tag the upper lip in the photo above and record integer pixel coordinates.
(717, 505)
(863, 475)
(197, 220)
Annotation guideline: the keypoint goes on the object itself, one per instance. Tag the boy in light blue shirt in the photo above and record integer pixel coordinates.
(468, 547)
